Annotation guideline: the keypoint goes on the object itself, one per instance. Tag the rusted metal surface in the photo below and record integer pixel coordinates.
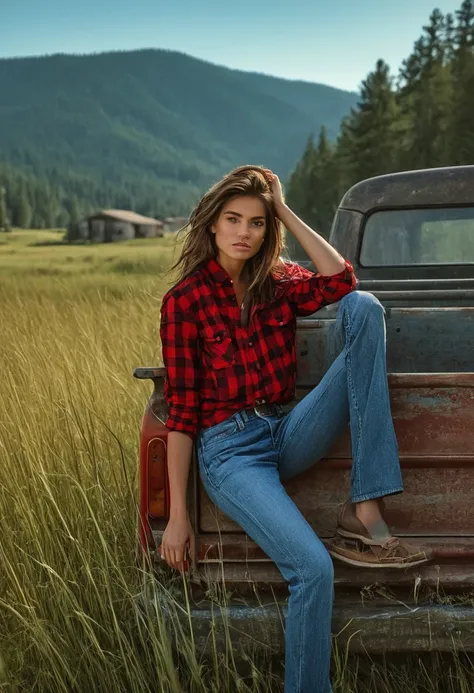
(444, 285)
(436, 501)
(151, 372)
(419, 340)
(377, 626)
(156, 403)
(434, 422)
(409, 189)
(443, 576)
(416, 381)
(455, 296)
(400, 628)
(231, 547)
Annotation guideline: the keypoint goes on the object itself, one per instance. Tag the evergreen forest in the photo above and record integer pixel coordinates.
(423, 117)
(150, 130)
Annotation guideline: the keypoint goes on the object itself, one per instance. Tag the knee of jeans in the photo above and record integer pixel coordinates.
(318, 568)
(363, 299)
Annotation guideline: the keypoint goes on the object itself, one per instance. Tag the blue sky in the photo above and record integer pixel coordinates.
(336, 42)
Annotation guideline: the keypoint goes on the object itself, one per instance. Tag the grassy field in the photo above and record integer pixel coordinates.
(75, 321)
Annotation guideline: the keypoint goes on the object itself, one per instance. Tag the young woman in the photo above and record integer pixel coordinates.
(228, 337)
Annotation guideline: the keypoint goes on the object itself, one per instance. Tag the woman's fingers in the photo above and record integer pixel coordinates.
(179, 559)
(173, 556)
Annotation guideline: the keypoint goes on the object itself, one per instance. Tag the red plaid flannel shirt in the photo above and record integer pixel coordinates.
(214, 366)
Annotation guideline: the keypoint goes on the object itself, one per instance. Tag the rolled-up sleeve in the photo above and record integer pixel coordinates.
(178, 333)
(309, 291)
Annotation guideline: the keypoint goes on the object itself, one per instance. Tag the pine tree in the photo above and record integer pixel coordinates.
(4, 219)
(296, 188)
(300, 194)
(74, 211)
(425, 98)
(24, 212)
(371, 134)
(449, 38)
(327, 181)
(462, 121)
(313, 189)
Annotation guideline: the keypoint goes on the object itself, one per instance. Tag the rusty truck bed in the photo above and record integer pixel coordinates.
(424, 608)
(433, 414)
(434, 422)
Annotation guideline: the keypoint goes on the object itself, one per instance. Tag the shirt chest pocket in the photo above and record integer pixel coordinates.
(279, 316)
(278, 329)
(220, 357)
(218, 348)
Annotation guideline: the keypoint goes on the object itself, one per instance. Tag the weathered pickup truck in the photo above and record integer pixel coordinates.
(410, 237)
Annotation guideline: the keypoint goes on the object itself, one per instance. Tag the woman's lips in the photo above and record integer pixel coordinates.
(241, 245)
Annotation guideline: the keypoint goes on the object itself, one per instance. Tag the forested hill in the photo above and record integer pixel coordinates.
(149, 129)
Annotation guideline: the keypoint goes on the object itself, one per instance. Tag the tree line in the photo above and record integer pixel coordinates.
(421, 118)
(148, 130)
(56, 199)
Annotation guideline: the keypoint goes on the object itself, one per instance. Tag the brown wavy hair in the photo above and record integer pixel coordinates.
(199, 244)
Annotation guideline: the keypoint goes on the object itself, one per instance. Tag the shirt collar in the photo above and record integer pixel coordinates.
(217, 273)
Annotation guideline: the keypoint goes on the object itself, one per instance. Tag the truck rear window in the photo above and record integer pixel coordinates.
(418, 237)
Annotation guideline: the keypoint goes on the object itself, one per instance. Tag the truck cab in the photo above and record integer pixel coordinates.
(410, 238)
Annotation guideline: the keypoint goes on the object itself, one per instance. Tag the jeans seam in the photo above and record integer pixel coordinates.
(265, 418)
(254, 519)
(350, 383)
(287, 556)
(302, 420)
(303, 620)
(297, 568)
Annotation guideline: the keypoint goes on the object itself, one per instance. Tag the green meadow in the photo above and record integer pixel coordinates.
(74, 322)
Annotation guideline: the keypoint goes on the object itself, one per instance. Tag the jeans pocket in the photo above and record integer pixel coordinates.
(218, 433)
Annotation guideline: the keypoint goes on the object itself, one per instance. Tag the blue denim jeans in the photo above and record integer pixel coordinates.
(243, 461)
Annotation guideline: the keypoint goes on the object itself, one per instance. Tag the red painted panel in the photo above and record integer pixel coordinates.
(153, 437)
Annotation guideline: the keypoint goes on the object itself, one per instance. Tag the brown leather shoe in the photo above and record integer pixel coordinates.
(354, 545)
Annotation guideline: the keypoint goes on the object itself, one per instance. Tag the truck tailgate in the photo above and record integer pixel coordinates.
(434, 421)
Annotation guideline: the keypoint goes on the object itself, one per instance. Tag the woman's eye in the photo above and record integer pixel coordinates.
(258, 223)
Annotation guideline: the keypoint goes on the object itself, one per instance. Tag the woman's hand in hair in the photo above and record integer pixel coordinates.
(275, 185)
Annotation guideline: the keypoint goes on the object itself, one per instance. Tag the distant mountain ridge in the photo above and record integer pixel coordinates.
(154, 120)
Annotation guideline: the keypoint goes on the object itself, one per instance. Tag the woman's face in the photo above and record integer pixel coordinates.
(240, 228)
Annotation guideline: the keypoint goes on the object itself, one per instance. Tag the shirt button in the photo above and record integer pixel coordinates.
(281, 322)
(250, 344)
(218, 338)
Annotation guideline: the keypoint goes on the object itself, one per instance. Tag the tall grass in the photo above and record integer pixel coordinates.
(70, 614)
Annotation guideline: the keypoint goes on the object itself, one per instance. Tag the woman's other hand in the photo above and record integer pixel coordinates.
(177, 535)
